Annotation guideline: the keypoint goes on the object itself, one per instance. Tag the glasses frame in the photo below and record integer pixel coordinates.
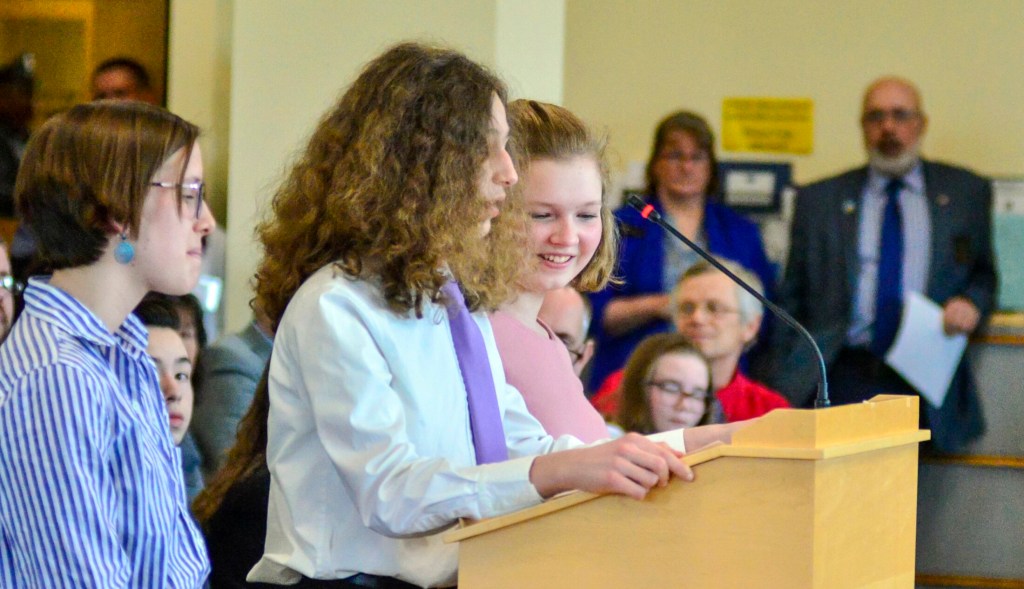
(900, 116)
(676, 390)
(8, 283)
(198, 187)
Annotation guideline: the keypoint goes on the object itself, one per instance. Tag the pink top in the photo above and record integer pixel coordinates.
(540, 368)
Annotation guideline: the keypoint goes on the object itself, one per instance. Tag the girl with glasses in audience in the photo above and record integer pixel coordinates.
(666, 385)
(570, 241)
(90, 479)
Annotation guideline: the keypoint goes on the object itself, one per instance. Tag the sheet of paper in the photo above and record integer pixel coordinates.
(923, 354)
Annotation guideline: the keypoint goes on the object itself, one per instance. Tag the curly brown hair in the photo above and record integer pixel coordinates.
(547, 131)
(635, 410)
(388, 188)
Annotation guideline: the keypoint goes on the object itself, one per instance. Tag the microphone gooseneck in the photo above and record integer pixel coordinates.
(648, 212)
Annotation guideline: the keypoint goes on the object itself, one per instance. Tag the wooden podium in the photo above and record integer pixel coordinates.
(824, 498)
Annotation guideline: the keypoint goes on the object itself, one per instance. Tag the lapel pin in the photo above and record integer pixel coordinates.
(849, 207)
(943, 200)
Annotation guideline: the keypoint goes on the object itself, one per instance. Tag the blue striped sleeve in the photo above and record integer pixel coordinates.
(56, 437)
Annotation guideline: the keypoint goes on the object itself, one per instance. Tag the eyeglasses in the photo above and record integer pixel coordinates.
(697, 157)
(575, 354)
(189, 191)
(712, 308)
(8, 283)
(674, 389)
(898, 115)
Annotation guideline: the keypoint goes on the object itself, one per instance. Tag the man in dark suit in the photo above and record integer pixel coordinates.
(864, 238)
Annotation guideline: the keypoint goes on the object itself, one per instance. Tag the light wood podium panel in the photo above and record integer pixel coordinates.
(817, 499)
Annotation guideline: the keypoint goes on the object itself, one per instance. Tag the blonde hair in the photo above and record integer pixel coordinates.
(388, 186)
(542, 131)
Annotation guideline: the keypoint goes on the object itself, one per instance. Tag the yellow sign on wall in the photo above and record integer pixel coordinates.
(768, 125)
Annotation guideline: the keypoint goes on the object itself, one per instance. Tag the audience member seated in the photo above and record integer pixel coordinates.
(230, 369)
(665, 386)
(722, 319)
(570, 241)
(683, 186)
(174, 373)
(193, 334)
(567, 313)
(233, 508)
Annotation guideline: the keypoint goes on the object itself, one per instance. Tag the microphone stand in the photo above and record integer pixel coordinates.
(647, 212)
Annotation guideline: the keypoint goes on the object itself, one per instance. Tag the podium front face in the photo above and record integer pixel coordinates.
(846, 518)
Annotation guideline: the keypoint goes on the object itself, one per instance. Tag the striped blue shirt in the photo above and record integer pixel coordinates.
(91, 491)
(917, 246)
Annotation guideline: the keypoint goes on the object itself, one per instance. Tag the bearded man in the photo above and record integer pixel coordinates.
(863, 239)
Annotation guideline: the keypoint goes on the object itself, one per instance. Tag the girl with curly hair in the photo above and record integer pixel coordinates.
(390, 417)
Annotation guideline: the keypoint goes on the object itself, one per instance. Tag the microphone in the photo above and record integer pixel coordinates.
(647, 212)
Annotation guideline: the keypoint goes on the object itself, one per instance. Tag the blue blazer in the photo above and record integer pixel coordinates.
(821, 277)
(641, 263)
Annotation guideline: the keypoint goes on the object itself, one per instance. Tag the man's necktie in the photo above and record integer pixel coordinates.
(889, 296)
(484, 415)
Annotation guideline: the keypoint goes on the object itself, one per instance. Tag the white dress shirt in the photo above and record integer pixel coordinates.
(369, 446)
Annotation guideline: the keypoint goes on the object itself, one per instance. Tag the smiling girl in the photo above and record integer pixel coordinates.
(90, 479)
(571, 241)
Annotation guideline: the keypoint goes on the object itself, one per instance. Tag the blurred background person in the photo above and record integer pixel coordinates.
(665, 386)
(568, 314)
(16, 90)
(230, 369)
(122, 78)
(683, 186)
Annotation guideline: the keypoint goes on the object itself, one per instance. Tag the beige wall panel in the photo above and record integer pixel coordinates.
(290, 61)
(627, 64)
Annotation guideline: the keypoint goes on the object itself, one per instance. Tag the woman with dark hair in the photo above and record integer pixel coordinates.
(90, 479)
(666, 385)
(683, 186)
(390, 417)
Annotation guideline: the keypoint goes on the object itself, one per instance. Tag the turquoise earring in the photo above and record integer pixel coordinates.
(124, 253)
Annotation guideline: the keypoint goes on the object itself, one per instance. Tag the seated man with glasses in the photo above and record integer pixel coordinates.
(722, 321)
(863, 239)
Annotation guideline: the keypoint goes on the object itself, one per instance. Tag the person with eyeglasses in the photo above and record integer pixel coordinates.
(862, 240)
(722, 320)
(666, 385)
(9, 288)
(90, 479)
(684, 187)
(567, 312)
